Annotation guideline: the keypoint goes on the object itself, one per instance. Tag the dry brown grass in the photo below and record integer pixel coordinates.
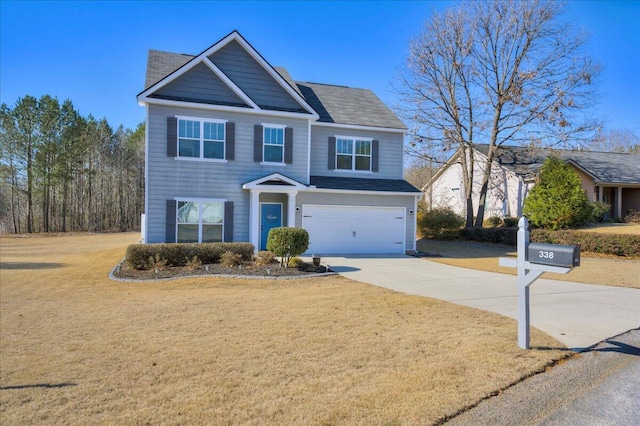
(614, 228)
(77, 348)
(484, 257)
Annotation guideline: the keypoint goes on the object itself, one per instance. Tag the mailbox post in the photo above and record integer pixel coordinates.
(533, 260)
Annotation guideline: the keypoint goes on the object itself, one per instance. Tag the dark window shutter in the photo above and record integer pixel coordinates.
(228, 222)
(171, 221)
(230, 148)
(375, 148)
(332, 153)
(172, 137)
(257, 143)
(288, 145)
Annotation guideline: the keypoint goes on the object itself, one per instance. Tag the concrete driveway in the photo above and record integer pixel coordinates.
(578, 315)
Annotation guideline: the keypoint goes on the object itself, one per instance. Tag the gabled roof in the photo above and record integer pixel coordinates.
(160, 74)
(603, 167)
(332, 104)
(360, 184)
(277, 180)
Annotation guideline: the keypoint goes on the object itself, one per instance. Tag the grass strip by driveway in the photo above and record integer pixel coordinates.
(78, 348)
(484, 257)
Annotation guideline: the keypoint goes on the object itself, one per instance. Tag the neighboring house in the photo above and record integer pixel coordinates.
(606, 176)
(235, 147)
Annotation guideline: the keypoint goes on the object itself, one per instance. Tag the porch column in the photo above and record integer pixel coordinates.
(619, 202)
(254, 219)
(291, 209)
(599, 193)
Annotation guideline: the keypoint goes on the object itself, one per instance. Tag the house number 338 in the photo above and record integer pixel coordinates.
(545, 254)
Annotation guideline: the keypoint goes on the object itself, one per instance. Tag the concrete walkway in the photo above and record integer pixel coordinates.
(578, 315)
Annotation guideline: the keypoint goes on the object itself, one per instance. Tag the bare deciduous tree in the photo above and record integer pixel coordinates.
(496, 72)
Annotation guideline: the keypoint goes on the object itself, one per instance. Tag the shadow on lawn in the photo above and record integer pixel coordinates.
(463, 249)
(30, 265)
(39, 385)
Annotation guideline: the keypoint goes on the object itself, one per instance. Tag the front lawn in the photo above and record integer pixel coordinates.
(77, 348)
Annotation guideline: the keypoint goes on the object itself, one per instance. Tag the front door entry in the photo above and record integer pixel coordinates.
(270, 217)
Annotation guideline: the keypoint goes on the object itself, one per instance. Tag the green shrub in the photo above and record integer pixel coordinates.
(178, 254)
(616, 244)
(287, 242)
(433, 223)
(295, 262)
(229, 258)
(495, 221)
(510, 222)
(599, 211)
(557, 200)
(504, 236)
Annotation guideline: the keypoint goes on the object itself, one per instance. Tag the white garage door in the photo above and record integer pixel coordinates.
(354, 229)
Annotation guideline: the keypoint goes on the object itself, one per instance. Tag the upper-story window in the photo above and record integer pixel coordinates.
(201, 139)
(273, 144)
(353, 154)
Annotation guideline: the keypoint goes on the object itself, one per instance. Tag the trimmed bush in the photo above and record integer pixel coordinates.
(178, 254)
(503, 235)
(287, 243)
(616, 244)
(433, 223)
(619, 245)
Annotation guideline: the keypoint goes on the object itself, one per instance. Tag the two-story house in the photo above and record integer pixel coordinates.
(235, 147)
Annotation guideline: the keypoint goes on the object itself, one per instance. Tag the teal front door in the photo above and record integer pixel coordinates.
(270, 217)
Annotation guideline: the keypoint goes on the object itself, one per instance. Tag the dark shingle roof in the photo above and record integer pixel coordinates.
(347, 105)
(359, 184)
(609, 167)
(334, 104)
(161, 64)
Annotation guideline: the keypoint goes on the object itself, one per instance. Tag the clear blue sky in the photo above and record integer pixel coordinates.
(95, 53)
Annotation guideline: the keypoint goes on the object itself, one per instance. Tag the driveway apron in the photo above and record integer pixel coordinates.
(578, 315)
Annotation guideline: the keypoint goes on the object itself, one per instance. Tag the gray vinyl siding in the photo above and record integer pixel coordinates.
(169, 178)
(390, 154)
(254, 80)
(338, 199)
(200, 84)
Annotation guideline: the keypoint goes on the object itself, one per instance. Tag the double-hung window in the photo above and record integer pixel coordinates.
(201, 139)
(353, 154)
(273, 144)
(200, 221)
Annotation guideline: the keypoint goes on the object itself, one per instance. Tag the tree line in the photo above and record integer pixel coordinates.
(62, 172)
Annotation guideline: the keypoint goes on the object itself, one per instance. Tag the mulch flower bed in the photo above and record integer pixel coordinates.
(249, 269)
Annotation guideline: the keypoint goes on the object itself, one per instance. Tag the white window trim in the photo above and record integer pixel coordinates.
(353, 140)
(201, 120)
(199, 200)
(273, 126)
